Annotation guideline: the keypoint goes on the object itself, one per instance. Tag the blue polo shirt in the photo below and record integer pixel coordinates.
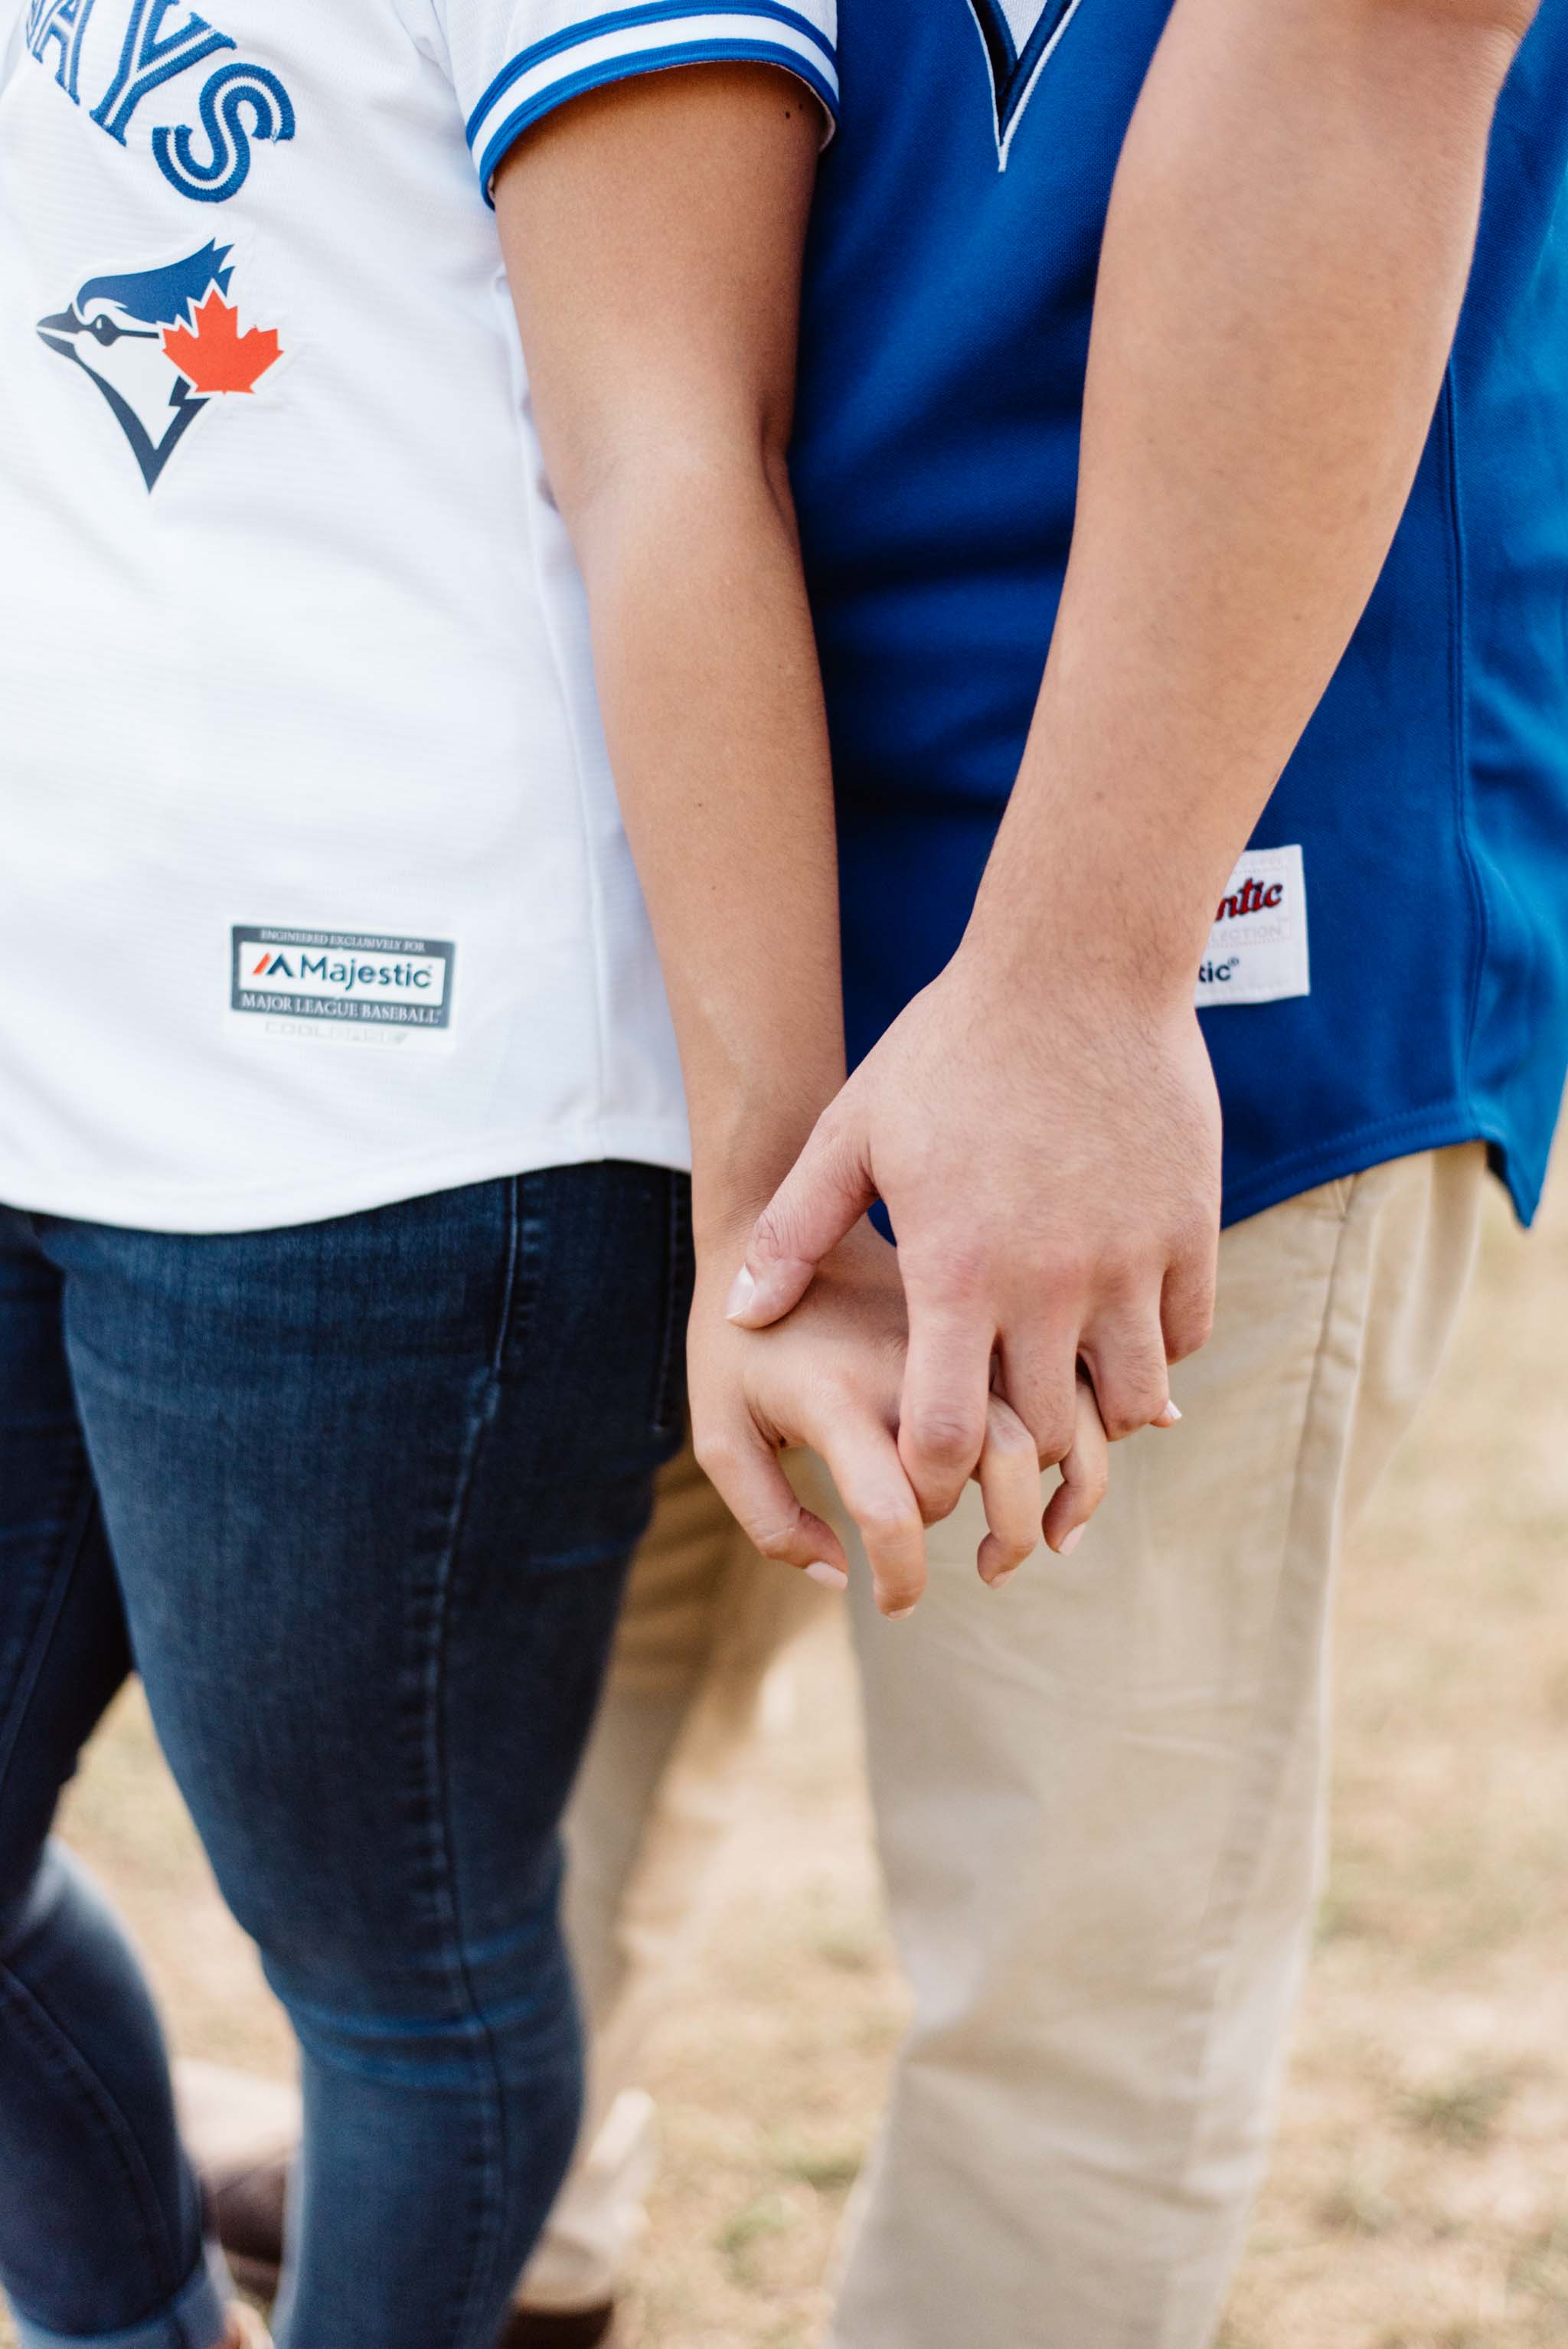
(1421, 996)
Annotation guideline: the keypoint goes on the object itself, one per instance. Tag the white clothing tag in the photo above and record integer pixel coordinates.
(344, 987)
(1257, 947)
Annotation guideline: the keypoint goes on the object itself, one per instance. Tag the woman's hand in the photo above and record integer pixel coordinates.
(830, 1375)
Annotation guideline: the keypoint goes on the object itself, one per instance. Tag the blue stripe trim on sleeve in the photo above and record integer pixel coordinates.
(636, 61)
(620, 20)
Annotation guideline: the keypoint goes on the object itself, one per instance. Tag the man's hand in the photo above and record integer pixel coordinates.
(1292, 219)
(830, 1378)
(1051, 1168)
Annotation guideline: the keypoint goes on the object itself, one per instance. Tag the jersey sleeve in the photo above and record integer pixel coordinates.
(515, 60)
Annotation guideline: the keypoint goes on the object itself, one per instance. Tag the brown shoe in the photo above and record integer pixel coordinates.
(246, 2212)
(242, 2132)
(554, 2328)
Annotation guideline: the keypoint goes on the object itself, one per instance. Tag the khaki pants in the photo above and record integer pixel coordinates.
(1098, 1799)
(706, 1623)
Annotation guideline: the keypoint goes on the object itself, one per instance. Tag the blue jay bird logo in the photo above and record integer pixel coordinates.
(1019, 37)
(161, 345)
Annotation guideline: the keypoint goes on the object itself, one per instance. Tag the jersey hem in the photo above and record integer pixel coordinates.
(1458, 667)
(651, 1142)
(1370, 1145)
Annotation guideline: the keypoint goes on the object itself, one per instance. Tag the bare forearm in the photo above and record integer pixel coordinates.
(707, 675)
(1292, 225)
(654, 236)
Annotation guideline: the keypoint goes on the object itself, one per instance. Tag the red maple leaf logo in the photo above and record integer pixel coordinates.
(214, 355)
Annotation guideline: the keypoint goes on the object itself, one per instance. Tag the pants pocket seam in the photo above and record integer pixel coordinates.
(668, 1414)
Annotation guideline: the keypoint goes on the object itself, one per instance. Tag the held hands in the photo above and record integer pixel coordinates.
(1052, 1169)
(830, 1378)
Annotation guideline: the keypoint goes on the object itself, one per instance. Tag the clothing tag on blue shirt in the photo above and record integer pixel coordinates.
(1257, 947)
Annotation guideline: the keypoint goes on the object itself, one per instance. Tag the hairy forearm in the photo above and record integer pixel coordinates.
(713, 706)
(1289, 237)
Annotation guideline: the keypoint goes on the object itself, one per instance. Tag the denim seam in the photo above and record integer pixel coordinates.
(49, 1624)
(27, 2009)
(672, 1352)
(510, 1281)
(33, 2017)
(515, 1329)
(491, 2154)
(32, 2012)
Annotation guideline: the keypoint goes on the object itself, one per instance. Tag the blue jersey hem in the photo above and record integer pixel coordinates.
(1459, 686)
(1397, 1137)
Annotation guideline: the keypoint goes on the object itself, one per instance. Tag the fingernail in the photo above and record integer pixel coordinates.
(1000, 1581)
(742, 1289)
(897, 1614)
(832, 1577)
(1167, 1417)
(1069, 1542)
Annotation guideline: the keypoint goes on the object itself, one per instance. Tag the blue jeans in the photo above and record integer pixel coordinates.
(357, 1498)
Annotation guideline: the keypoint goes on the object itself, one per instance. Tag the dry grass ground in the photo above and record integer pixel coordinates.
(1419, 2198)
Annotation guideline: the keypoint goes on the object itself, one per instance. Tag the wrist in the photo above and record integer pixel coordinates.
(722, 1227)
(1098, 887)
(742, 1153)
(1068, 955)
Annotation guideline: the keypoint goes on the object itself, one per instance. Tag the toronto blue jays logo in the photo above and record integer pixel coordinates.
(1019, 37)
(161, 345)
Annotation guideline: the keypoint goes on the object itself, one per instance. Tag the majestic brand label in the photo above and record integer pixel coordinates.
(1257, 947)
(357, 986)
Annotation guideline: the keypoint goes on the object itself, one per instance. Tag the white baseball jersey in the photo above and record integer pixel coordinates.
(314, 892)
